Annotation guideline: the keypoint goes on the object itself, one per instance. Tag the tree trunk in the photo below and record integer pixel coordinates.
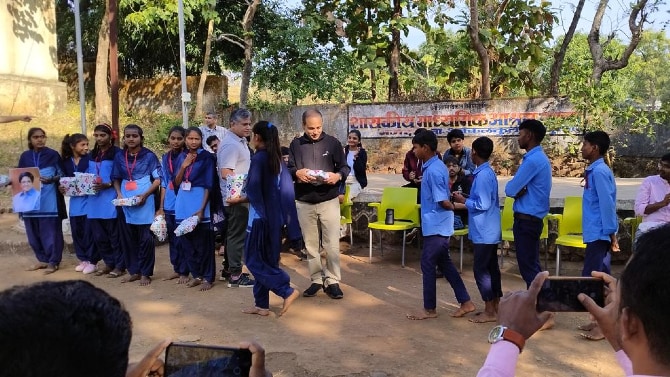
(103, 101)
(203, 74)
(484, 59)
(559, 56)
(247, 21)
(394, 61)
(373, 86)
(601, 64)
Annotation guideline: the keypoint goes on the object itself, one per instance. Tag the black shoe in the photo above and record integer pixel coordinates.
(333, 291)
(244, 281)
(225, 275)
(312, 290)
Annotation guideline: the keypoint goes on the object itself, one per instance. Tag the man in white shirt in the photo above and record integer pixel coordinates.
(634, 319)
(210, 128)
(233, 158)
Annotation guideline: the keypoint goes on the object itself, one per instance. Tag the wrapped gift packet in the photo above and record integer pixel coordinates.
(126, 202)
(236, 186)
(159, 228)
(187, 226)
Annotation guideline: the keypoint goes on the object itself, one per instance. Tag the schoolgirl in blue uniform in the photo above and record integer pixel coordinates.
(44, 227)
(137, 173)
(170, 168)
(268, 212)
(75, 159)
(194, 181)
(101, 213)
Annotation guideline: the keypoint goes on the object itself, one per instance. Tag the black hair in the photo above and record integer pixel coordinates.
(285, 151)
(106, 128)
(63, 328)
(426, 138)
(310, 113)
(210, 139)
(27, 174)
(645, 291)
(666, 157)
(178, 129)
(196, 130)
(419, 130)
(270, 136)
(483, 146)
(535, 127)
(69, 141)
(358, 134)
(600, 139)
(31, 131)
(449, 159)
(455, 134)
(139, 131)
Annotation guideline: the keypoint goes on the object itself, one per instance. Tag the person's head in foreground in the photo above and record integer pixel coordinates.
(635, 317)
(531, 133)
(72, 328)
(424, 145)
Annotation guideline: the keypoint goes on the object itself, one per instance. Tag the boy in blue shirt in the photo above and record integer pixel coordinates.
(599, 219)
(437, 225)
(484, 218)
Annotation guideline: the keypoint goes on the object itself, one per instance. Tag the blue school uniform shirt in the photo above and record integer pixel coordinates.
(26, 201)
(141, 168)
(484, 207)
(48, 162)
(599, 218)
(99, 206)
(201, 178)
(77, 203)
(170, 168)
(435, 220)
(535, 175)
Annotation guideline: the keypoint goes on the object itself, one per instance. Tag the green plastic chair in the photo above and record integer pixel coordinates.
(569, 227)
(406, 213)
(507, 223)
(634, 223)
(345, 214)
(462, 233)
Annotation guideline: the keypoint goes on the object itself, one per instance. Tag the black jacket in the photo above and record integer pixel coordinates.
(360, 165)
(325, 154)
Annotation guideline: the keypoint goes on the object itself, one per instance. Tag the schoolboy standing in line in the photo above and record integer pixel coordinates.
(484, 218)
(437, 225)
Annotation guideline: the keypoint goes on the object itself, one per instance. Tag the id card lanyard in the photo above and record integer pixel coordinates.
(186, 185)
(171, 171)
(131, 184)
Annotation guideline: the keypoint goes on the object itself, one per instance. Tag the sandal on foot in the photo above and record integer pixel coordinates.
(115, 274)
(50, 269)
(37, 266)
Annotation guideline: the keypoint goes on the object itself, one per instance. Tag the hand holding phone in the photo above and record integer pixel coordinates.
(559, 293)
(195, 360)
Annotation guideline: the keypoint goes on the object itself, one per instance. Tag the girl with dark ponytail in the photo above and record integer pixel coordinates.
(75, 159)
(269, 210)
(102, 215)
(44, 227)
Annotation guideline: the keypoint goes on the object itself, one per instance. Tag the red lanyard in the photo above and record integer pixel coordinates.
(187, 173)
(130, 168)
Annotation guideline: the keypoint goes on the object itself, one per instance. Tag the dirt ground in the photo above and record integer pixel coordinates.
(364, 334)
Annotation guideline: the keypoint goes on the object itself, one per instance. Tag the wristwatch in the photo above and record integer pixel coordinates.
(501, 332)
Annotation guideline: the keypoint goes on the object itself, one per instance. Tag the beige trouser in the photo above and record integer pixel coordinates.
(328, 215)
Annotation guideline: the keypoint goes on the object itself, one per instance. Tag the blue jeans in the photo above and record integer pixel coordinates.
(487, 271)
(435, 252)
(527, 243)
(597, 257)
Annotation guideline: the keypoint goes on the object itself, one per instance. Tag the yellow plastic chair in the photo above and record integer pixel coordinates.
(406, 213)
(569, 227)
(462, 233)
(345, 214)
(507, 223)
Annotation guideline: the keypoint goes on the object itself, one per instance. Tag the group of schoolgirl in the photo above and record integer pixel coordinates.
(121, 236)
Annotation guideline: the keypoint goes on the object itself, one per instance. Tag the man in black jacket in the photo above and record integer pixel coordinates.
(317, 164)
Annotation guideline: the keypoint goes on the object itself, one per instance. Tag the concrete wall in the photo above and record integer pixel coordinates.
(28, 65)
(163, 94)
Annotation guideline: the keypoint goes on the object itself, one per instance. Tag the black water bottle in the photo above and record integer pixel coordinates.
(390, 217)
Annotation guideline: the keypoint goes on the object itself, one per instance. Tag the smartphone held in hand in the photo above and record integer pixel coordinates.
(559, 293)
(196, 360)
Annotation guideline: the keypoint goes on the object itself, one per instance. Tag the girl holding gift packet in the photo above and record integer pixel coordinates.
(44, 226)
(101, 213)
(137, 174)
(268, 212)
(194, 180)
(170, 166)
(75, 159)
